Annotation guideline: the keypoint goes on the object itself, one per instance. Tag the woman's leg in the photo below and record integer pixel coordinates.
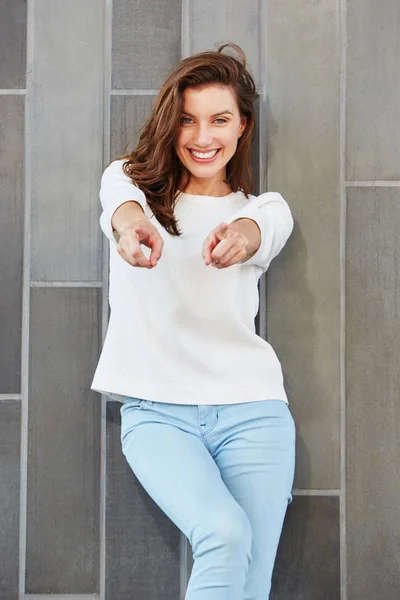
(164, 447)
(253, 445)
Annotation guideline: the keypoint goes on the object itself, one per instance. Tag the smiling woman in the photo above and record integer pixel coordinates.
(205, 423)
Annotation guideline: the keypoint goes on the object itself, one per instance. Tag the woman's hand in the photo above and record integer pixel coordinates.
(231, 244)
(138, 232)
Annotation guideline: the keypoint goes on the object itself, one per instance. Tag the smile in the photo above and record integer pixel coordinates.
(204, 156)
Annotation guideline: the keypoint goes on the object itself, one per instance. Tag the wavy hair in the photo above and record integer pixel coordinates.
(154, 166)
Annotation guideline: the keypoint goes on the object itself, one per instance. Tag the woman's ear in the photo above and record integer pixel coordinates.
(242, 127)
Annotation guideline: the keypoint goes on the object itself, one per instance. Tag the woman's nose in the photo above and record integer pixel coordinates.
(203, 136)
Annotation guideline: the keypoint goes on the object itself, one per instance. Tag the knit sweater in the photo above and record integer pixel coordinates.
(183, 332)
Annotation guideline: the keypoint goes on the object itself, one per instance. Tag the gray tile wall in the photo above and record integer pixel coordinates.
(13, 44)
(10, 417)
(327, 139)
(373, 384)
(66, 123)
(63, 547)
(11, 241)
(307, 563)
(141, 542)
(373, 75)
(303, 320)
(146, 42)
(214, 23)
(128, 113)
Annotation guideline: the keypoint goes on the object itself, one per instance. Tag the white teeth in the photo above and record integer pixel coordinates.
(204, 154)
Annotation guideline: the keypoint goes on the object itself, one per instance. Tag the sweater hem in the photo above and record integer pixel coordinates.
(236, 395)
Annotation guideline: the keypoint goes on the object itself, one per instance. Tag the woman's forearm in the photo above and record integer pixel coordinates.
(251, 230)
(125, 214)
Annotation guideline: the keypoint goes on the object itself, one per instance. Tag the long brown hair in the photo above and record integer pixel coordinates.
(154, 166)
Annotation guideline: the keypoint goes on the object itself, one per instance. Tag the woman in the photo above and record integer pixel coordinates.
(205, 423)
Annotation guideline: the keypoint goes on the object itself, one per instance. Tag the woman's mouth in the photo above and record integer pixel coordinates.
(204, 157)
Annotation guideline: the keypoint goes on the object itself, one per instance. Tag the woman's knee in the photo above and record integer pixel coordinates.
(225, 529)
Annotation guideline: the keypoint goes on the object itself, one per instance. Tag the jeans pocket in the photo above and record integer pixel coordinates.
(131, 402)
(130, 407)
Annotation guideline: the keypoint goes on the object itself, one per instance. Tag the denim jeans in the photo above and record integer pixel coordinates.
(223, 474)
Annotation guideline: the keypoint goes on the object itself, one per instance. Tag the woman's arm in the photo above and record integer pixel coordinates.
(125, 214)
(275, 221)
(251, 230)
(122, 202)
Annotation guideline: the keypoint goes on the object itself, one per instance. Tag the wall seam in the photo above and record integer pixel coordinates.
(184, 542)
(134, 92)
(68, 284)
(263, 146)
(14, 92)
(107, 65)
(61, 597)
(316, 492)
(373, 183)
(342, 363)
(25, 302)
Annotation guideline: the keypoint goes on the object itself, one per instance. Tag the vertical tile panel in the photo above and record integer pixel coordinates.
(373, 383)
(66, 134)
(307, 565)
(10, 428)
(63, 442)
(303, 316)
(146, 42)
(13, 44)
(11, 242)
(212, 23)
(373, 90)
(142, 543)
(128, 114)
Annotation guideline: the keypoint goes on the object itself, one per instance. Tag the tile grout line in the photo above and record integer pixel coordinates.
(154, 92)
(13, 92)
(342, 353)
(61, 597)
(316, 492)
(373, 183)
(185, 52)
(184, 542)
(68, 284)
(262, 151)
(107, 63)
(134, 92)
(25, 303)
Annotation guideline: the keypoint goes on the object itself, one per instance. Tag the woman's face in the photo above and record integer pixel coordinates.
(209, 131)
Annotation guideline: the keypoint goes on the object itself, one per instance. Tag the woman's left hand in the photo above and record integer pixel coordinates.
(228, 245)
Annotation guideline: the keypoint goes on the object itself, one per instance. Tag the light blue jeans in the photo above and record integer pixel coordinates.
(223, 474)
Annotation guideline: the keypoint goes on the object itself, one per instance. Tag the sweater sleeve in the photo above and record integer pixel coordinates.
(274, 218)
(116, 189)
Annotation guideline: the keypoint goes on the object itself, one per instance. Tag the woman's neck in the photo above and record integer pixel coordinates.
(205, 187)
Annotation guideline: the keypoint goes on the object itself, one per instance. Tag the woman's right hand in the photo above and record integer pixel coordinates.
(132, 235)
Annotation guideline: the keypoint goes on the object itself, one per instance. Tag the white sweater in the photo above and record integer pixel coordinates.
(184, 332)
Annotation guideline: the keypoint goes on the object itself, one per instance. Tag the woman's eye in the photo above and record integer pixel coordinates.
(188, 120)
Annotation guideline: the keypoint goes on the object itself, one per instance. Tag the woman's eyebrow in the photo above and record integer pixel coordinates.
(224, 112)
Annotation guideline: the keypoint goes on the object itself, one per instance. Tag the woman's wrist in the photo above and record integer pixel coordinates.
(126, 214)
(251, 231)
